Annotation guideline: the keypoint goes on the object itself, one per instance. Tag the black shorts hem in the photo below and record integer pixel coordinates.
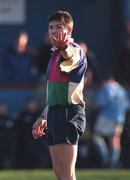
(63, 142)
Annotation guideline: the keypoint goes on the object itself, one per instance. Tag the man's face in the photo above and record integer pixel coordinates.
(23, 40)
(55, 29)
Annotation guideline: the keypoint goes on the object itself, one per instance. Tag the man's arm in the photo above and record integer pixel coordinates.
(70, 53)
(71, 57)
(67, 52)
(38, 129)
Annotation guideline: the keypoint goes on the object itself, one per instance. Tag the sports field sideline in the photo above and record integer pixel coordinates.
(84, 174)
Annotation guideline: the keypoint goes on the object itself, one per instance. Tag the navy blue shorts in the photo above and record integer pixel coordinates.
(65, 124)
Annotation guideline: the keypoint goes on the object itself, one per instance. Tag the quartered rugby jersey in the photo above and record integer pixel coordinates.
(65, 78)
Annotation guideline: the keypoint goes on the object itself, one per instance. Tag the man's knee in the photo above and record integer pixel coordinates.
(68, 172)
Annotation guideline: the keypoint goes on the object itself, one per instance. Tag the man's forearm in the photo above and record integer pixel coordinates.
(44, 113)
(68, 52)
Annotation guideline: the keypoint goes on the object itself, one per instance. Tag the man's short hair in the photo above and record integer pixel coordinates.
(62, 16)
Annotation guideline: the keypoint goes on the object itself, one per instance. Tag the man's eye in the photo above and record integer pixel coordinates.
(50, 27)
(59, 27)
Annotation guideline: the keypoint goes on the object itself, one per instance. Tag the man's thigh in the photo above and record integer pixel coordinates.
(64, 155)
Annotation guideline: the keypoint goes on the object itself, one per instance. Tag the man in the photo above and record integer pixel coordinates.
(113, 102)
(18, 63)
(65, 81)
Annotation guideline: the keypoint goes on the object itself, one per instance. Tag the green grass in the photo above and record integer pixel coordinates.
(86, 174)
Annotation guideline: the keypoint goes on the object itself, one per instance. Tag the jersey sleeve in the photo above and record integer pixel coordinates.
(71, 63)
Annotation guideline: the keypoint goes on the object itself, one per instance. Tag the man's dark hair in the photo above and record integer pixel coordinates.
(62, 16)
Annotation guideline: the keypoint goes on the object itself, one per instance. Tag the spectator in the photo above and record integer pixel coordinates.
(92, 75)
(123, 64)
(91, 79)
(112, 101)
(91, 108)
(30, 152)
(18, 65)
(43, 55)
(7, 138)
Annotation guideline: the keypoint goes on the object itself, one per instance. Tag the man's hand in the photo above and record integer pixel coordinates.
(39, 127)
(60, 41)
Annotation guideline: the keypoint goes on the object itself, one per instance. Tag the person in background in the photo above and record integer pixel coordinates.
(43, 54)
(93, 75)
(65, 117)
(123, 64)
(18, 64)
(92, 80)
(112, 102)
(29, 152)
(7, 137)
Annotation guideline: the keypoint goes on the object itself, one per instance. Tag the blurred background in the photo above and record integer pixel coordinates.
(102, 29)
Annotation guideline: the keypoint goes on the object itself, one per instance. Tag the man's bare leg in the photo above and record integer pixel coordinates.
(64, 159)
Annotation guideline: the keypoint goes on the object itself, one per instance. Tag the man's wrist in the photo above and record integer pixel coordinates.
(63, 48)
(68, 52)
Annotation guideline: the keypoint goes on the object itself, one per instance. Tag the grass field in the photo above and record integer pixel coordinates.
(87, 174)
